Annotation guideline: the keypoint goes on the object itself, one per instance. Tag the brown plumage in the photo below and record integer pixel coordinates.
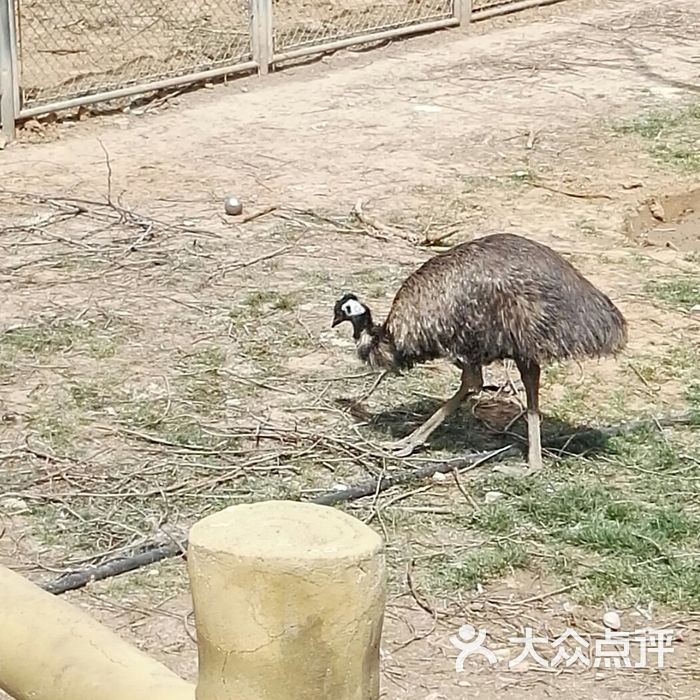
(498, 297)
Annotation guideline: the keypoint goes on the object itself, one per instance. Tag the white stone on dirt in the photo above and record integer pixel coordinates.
(612, 620)
(233, 206)
(13, 505)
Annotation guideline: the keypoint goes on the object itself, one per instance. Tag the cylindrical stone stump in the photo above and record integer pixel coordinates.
(289, 603)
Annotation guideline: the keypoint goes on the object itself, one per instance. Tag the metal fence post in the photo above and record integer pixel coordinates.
(9, 86)
(261, 33)
(463, 11)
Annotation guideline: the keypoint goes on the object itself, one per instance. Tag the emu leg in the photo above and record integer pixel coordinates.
(472, 382)
(530, 374)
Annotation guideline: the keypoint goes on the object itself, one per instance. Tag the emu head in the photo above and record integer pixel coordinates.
(350, 308)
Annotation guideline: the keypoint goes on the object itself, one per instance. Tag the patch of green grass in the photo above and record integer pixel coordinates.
(140, 413)
(200, 380)
(8, 371)
(574, 403)
(671, 137)
(520, 176)
(98, 340)
(648, 370)
(372, 282)
(680, 360)
(58, 430)
(187, 431)
(630, 531)
(497, 518)
(57, 420)
(674, 583)
(91, 396)
(678, 363)
(265, 327)
(267, 346)
(317, 278)
(152, 416)
(478, 566)
(556, 372)
(681, 291)
(164, 579)
(623, 527)
(692, 396)
(271, 299)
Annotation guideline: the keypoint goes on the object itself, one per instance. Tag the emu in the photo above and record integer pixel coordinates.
(498, 297)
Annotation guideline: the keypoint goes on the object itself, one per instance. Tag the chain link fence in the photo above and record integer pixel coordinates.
(300, 24)
(58, 54)
(73, 48)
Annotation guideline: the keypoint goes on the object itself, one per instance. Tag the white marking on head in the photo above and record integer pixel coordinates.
(352, 307)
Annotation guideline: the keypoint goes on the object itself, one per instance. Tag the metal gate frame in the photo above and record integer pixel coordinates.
(264, 55)
(9, 76)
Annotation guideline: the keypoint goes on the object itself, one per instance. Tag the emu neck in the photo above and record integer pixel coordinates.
(361, 325)
(374, 346)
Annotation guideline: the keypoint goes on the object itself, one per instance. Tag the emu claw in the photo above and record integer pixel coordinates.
(404, 450)
(401, 448)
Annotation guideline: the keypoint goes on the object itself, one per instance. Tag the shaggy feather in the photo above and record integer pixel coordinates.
(498, 297)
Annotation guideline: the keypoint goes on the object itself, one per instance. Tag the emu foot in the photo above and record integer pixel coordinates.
(404, 447)
(512, 470)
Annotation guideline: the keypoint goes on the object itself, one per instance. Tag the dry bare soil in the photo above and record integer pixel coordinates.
(160, 360)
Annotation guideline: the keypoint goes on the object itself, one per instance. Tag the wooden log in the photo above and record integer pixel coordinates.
(289, 602)
(52, 650)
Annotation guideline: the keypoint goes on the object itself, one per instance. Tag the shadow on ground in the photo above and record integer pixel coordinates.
(484, 424)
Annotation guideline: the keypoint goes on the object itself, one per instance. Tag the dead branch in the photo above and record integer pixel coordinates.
(158, 551)
(568, 193)
(80, 579)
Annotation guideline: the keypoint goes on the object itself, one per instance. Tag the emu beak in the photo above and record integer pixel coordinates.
(338, 318)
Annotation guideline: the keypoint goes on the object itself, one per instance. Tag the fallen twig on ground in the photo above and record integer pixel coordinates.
(569, 193)
(158, 551)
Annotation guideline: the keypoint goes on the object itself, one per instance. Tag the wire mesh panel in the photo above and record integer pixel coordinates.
(74, 48)
(307, 23)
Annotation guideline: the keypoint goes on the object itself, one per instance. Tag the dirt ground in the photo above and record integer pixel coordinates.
(161, 360)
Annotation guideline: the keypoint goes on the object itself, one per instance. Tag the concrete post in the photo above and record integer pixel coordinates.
(289, 603)
(52, 650)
